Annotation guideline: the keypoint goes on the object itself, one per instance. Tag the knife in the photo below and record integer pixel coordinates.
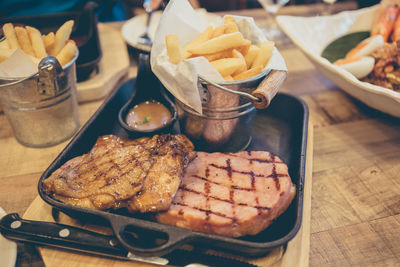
(13, 227)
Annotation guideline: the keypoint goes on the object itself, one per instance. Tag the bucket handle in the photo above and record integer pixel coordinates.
(244, 94)
(262, 96)
(49, 72)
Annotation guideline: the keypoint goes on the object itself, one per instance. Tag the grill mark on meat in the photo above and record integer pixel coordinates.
(205, 210)
(231, 189)
(207, 189)
(95, 176)
(275, 176)
(253, 176)
(238, 188)
(253, 188)
(185, 189)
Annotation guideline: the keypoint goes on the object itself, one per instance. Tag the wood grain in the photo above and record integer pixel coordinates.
(113, 65)
(356, 196)
(295, 254)
(21, 160)
(268, 88)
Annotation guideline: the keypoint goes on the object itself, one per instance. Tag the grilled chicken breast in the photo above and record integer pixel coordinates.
(231, 194)
(164, 177)
(117, 170)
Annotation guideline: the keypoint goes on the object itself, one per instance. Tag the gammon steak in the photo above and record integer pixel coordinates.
(142, 174)
(231, 194)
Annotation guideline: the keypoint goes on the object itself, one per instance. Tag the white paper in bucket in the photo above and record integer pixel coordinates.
(182, 79)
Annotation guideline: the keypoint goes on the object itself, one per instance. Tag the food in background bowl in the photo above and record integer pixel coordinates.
(313, 34)
(374, 59)
(37, 46)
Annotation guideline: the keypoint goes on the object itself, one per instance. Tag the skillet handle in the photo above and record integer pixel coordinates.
(143, 237)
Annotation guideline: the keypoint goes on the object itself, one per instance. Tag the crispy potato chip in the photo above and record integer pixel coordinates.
(173, 48)
(221, 43)
(264, 54)
(67, 52)
(248, 73)
(227, 66)
(24, 40)
(49, 41)
(62, 35)
(11, 37)
(251, 55)
(239, 55)
(36, 41)
(201, 38)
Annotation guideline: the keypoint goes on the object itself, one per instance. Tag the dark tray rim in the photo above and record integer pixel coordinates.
(185, 235)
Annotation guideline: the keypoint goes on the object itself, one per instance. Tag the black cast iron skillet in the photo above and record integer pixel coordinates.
(280, 129)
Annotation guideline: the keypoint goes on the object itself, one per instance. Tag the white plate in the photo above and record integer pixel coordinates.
(134, 27)
(313, 34)
(8, 249)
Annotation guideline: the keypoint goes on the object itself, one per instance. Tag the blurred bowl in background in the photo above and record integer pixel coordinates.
(313, 34)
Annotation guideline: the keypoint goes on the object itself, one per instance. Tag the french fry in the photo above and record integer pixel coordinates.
(4, 44)
(231, 27)
(264, 54)
(226, 66)
(228, 78)
(62, 35)
(5, 53)
(24, 40)
(244, 48)
(229, 19)
(201, 38)
(221, 43)
(48, 41)
(219, 55)
(218, 31)
(230, 24)
(243, 67)
(248, 73)
(173, 48)
(11, 37)
(251, 55)
(67, 52)
(37, 42)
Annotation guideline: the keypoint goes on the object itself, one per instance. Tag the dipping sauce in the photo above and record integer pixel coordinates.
(148, 115)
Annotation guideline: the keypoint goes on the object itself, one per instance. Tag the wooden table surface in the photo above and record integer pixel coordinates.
(356, 168)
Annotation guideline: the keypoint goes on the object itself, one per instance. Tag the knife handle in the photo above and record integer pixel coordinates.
(59, 235)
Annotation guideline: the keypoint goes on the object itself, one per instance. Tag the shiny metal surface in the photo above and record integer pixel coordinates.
(42, 108)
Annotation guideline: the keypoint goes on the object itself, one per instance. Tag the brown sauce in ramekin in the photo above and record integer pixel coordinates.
(148, 115)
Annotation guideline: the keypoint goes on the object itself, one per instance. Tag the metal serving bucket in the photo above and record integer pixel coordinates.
(227, 118)
(42, 108)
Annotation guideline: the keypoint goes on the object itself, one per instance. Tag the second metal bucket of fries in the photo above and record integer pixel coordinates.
(42, 108)
(228, 112)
